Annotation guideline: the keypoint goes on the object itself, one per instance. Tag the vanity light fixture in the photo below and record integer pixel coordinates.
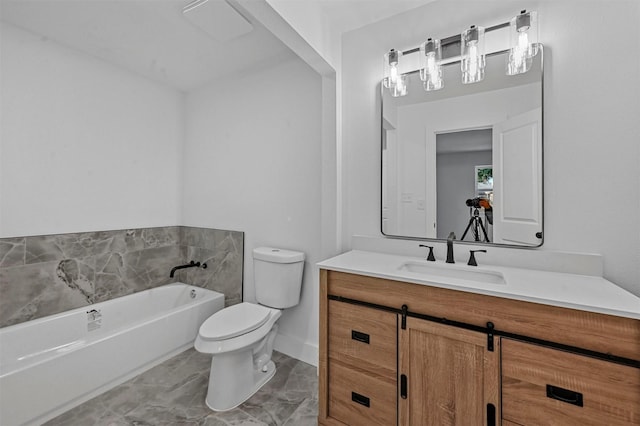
(431, 65)
(393, 79)
(524, 46)
(523, 37)
(472, 59)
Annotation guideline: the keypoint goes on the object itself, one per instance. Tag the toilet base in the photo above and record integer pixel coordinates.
(227, 391)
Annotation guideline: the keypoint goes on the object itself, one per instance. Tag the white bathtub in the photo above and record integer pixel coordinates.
(52, 364)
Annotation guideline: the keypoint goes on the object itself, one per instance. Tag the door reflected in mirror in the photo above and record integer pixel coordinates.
(465, 159)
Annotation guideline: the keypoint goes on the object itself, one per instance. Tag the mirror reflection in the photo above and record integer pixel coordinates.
(466, 159)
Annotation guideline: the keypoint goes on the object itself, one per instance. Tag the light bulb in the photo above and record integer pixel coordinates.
(523, 41)
(473, 58)
(393, 77)
(431, 61)
(518, 54)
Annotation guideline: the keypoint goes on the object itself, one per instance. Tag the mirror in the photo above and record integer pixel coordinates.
(465, 159)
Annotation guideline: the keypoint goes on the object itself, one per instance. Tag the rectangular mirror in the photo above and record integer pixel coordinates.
(465, 159)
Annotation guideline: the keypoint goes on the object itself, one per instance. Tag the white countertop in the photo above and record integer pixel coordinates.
(587, 293)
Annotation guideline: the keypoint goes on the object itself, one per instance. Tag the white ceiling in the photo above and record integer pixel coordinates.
(347, 15)
(153, 39)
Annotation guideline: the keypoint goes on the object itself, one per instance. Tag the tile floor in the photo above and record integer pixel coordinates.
(173, 393)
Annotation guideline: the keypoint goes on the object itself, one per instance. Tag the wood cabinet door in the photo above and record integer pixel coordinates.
(451, 376)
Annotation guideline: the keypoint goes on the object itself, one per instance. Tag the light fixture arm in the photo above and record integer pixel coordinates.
(452, 43)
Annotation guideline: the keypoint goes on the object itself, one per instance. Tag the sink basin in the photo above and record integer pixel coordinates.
(435, 270)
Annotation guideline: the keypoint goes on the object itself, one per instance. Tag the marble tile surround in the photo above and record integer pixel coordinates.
(45, 275)
(173, 393)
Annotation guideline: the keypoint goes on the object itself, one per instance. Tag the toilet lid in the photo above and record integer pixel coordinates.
(234, 321)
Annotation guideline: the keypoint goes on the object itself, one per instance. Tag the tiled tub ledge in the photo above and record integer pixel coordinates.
(49, 274)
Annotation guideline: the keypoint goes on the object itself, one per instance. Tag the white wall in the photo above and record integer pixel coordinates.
(83, 145)
(307, 31)
(591, 109)
(253, 164)
(308, 19)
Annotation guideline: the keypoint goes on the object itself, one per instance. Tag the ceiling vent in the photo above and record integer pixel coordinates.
(217, 18)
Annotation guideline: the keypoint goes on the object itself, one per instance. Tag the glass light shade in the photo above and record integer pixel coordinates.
(390, 68)
(400, 87)
(431, 65)
(472, 55)
(392, 78)
(523, 35)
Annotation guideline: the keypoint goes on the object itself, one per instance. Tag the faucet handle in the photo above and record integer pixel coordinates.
(472, 257)
(430, 256)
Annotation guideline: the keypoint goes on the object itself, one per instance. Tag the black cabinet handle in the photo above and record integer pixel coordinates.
(360, 337)
(360, 399)
(564, 395)
(403, 386)
(491, 415)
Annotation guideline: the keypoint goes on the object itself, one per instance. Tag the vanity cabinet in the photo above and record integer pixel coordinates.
(393, 352)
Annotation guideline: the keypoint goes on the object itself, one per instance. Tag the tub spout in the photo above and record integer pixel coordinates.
(191, 264)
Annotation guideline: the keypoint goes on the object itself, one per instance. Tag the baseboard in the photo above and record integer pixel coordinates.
(297, 349)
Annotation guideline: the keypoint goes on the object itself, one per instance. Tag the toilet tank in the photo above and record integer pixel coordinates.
(277, 275)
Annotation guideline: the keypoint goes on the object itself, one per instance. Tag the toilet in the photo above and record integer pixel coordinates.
(240, 337)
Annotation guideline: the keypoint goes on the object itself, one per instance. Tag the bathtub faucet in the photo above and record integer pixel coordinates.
(191, 264)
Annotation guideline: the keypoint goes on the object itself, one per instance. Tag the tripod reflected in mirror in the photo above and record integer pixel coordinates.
(476, 224)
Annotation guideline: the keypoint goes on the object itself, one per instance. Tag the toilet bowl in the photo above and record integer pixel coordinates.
(240, 338)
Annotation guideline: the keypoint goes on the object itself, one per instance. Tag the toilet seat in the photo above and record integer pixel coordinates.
(234, 321)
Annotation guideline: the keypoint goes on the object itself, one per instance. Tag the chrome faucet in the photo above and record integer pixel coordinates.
(450, 239)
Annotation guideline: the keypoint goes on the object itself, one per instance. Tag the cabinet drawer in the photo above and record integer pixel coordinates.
(544, 386)
(357, 398)
(363, 337)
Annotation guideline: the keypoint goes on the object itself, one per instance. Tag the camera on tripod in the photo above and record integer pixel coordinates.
(475, 221)
(478, 202)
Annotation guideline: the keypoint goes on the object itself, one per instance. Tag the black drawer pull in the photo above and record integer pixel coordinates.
(564, 395)
(360, 337)
(360, 399)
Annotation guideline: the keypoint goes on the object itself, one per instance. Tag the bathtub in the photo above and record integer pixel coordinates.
(52, 364)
